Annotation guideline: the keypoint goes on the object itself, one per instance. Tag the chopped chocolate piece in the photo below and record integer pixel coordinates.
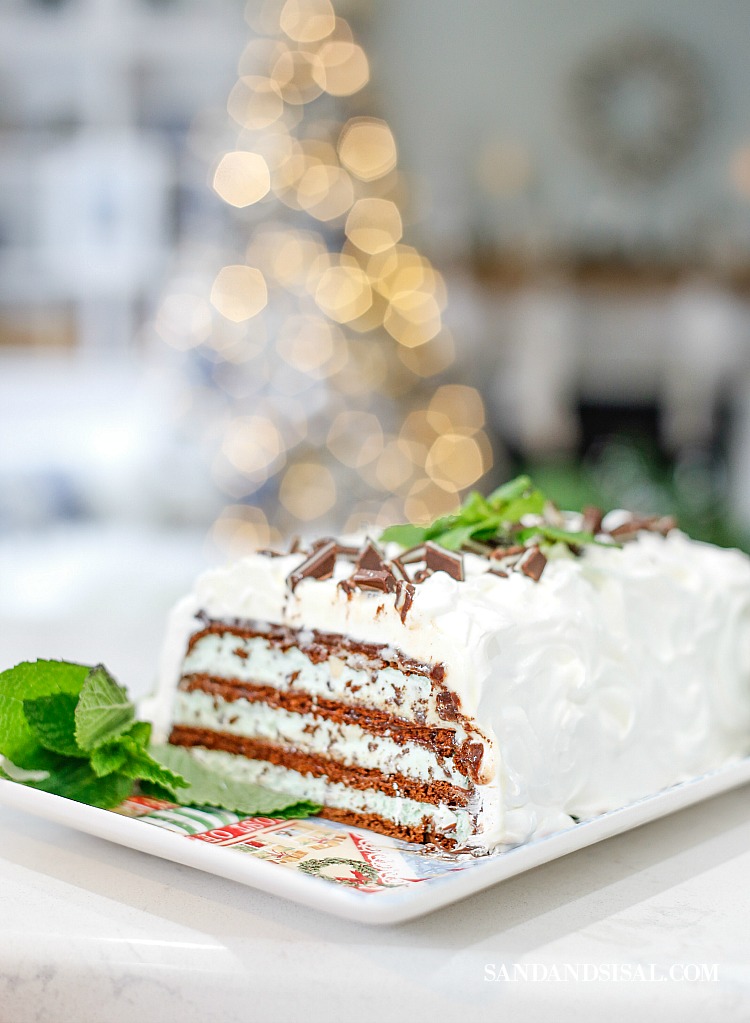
(421, 575)
(295, 547)
(498, 571)
(665, 524)
(437, 559)
(592, 519)
(370, 557)
(350, 553)
(323, 542)
(553, 515)
(448, 706)
(533, 564)
(368, 579)
(507, 552)
(399, 569)
(475, 547)
(413, 554)
(405, 597)
(319, 565)
(650, 523)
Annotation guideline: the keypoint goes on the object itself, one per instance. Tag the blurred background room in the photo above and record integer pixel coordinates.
(288, 267)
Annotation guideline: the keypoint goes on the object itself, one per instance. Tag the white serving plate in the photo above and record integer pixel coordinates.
(386, 905)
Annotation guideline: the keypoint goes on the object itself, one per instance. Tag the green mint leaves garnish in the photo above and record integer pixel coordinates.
(53, 723)
(209, 788)
(71, 730)
(30, 681)
(76, 727)
(496, 519)
(103, 711)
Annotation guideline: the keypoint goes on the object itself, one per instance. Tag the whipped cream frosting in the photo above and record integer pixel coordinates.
(617, 674)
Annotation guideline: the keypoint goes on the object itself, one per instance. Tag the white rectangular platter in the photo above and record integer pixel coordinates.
(351, 873)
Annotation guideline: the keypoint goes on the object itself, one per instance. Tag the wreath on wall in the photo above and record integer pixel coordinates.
(638, 106)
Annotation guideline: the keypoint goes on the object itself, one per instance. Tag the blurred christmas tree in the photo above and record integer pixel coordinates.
(322, 387)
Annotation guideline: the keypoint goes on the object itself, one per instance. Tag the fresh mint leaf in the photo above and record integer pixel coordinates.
(140, 732)
(29, 681)
(52, 720)
(74, 779)
(556, 535)
(142, 766)
(494, 519)
(108, 758)
(128, 755)
(207, 787)
(476, 508)
(104, 710)
(407, 535)
(528, 504)
(510, 491)
(454, 539)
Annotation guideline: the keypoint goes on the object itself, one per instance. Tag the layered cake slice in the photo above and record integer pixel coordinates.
(471, 697)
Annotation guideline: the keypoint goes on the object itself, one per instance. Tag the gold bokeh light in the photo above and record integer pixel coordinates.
(307, 343)
(308, 490)
(239, 292)
(367, 148)
(345, 67)
(374, 225)
(255, 102)
(298, 75)
(454, 462)
(253, 445)
(344, 292)
(307, 21)
(329, 393)
(355, 438)
(242, 178)
(243, 528)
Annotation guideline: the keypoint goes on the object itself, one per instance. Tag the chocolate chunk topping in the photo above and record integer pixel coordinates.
(295, 547)
(370, 557)
(399, 568)
(405, 594)
(533, 564)
(370, 579)
(319, 565)
(412, 555)
(592, 519)
(323, 542)
(476, 547)
(437, 559)
(507, 552)
(350, 553)
(651, 523)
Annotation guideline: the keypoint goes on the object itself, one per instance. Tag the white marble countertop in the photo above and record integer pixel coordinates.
(94, 933)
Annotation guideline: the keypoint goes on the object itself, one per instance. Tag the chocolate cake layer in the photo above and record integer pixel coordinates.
(319, 646)
(442, 741)
(422, 834)
(433, 792)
